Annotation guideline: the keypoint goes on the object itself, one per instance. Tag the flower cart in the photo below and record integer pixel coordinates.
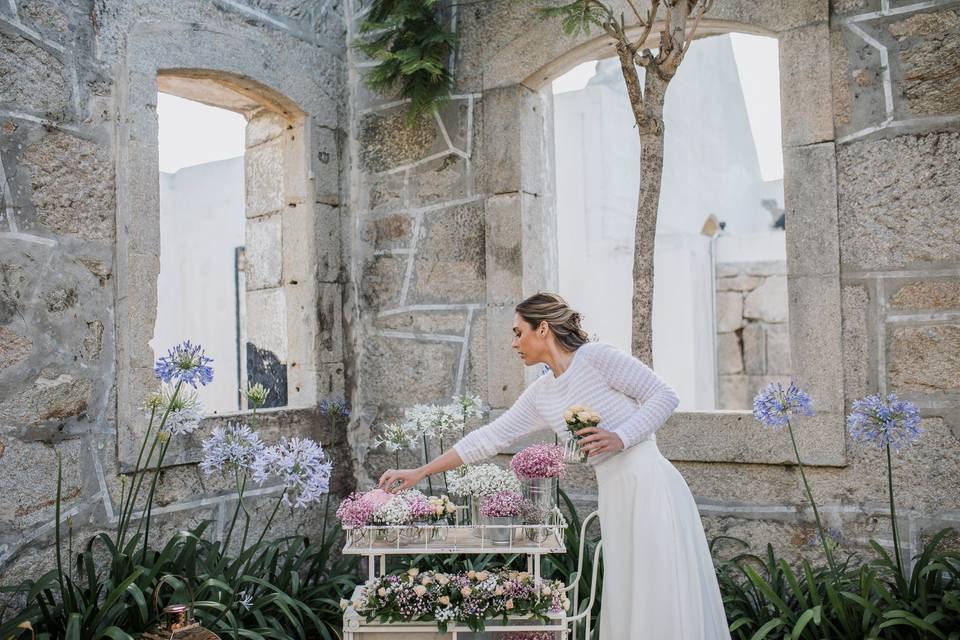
(532, 540)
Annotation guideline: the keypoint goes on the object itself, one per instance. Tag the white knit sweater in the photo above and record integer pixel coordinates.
(629, 397)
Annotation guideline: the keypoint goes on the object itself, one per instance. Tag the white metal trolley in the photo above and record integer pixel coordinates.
(533, 541)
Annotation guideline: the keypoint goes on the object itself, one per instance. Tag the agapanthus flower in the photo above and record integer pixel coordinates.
(339, 408)
(470, 406)
(185, 363)
(539, 461)
(432, 421)
(230, 448)
(302, 466)
(503, 504)
(256, 395)
(395, 437)
(246, 600)
(885, 421)
(774, 406)
(185, 411)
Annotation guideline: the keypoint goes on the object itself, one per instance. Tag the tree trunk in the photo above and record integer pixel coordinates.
(651, 129)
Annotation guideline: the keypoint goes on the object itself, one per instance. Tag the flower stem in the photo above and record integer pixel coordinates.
(236, 511)
(813, 503)
(153, 488)
(124, 507)
(426, 460)
(893, 516)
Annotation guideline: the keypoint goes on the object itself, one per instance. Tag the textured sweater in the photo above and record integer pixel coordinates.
(631, 400)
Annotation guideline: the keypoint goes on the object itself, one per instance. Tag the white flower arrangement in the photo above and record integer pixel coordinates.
(481, 480)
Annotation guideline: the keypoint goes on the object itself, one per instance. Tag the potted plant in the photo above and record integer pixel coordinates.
(502, 511)
(539, 468)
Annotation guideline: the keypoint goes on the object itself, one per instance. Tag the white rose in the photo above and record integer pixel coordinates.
(420, 590)
(444, 600)
(382, 592)
(413, 572)
(442, 579)
(466, 591)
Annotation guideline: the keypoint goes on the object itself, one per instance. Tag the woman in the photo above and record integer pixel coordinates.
(659, 581)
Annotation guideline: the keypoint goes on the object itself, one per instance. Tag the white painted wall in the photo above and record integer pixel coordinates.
(202, 221)
(710, 167)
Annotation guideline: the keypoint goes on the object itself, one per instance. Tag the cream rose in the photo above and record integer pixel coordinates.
(444, 600)
(420, 590)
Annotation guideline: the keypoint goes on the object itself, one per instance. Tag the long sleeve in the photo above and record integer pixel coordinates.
(631, 377)
(520, 419)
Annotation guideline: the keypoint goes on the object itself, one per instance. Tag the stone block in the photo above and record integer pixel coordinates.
(13, 347)
(52, 397)
(326, 165)
(729, 354)
(329, 252)
(390, 231)
(739, 282)
(401, 372)
(858, 370)
(924, 359)
(32, 78)
(513, 157)
(264, 172)
(927, 295)
(263, 264)
(385, 192)
(806, 92)
(72, 182)
(504, 249)
(266, 321)
(768, 302)
(766, 268)
(387, 141)
(778, 349)
(446, 322)
(449, 265)
(775, 15)
(755, 348)
(810, 194)
(447, 178)
(475, 367)
(840, 77)
(727, 270)
(505, 378)
(28, 481)
(729, 311)
(382, 281)
(263, 127)
(929, 54)
(330, 323)
(734, 392)
(815, 344)
(892, 193)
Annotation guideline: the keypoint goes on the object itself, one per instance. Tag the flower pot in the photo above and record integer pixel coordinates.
(540, 492)
(501, 530)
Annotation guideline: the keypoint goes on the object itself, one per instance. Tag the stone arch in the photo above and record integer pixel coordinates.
(267, 84)
(517, 146)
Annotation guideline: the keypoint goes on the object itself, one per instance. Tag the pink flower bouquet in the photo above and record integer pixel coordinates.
(539, 461)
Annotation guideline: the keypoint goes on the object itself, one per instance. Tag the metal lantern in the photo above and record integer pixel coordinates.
(176, 621)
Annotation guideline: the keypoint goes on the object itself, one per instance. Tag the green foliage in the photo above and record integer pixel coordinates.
(292, 587)
(412, 47)
(579, 17)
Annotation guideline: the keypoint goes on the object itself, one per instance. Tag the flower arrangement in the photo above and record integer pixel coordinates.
(503, 504)
(356, 510)
(468, 598)
(525, 635)
(577, 417)
(481, 480)
(443, 507)
(402, 509)
(539, 461)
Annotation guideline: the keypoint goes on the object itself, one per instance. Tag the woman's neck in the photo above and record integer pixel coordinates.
(558, 359)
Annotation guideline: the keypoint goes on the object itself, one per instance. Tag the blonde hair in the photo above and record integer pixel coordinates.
(563, 321)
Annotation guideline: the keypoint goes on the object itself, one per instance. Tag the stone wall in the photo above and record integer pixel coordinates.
(78, 272)
(871, 275)
(753, 334)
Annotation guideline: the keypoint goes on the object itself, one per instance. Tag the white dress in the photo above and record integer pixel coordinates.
(659, 581)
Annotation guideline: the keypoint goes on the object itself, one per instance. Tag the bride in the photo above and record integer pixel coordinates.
(659, 580)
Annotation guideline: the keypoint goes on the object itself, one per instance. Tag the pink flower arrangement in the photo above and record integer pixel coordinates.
(503, 504)
(540, 461)
(356, 510)
(420, 507)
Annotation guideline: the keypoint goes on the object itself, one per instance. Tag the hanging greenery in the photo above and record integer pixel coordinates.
(412, 44)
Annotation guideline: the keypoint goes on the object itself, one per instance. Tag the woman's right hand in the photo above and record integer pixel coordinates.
(396, 480)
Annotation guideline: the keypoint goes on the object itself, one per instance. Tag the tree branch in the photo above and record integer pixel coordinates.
(651, 17)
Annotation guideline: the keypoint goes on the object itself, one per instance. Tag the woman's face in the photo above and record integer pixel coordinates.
(527, 342)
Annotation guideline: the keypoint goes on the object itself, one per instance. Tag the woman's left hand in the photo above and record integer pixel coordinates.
(595, 440)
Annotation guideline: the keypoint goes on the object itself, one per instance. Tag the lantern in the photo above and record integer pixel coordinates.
(176, 621)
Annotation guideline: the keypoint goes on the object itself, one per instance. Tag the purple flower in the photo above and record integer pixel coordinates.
(335, 408)
(235, 446)
(301, 465)
(884, 422)
(355, 511)
(539, 461)
(774, 405)
(185, 363)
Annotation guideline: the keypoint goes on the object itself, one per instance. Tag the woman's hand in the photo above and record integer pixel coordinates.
(396, 480)
(594, 440)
